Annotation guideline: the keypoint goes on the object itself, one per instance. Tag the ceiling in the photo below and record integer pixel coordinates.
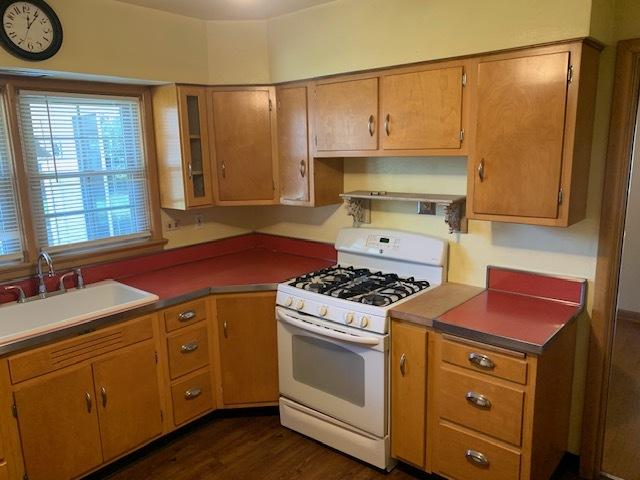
(228, 9)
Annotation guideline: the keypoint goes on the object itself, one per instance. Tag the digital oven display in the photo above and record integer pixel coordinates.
(384, 240)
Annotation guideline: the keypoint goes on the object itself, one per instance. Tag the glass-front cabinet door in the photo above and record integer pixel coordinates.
(195, 146)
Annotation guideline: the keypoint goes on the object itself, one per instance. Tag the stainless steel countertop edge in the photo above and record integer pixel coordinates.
(92, 325)
(482, 337)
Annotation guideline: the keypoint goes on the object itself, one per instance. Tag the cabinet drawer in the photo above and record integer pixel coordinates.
(191, 397)
(485, 361)
(481, 405)
(188, 351)
(185, 314)
(49, 358)
(465, 457)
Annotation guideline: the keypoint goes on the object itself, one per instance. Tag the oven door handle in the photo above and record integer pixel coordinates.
(325, 332)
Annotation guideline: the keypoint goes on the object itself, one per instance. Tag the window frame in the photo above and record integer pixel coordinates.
(10, 87)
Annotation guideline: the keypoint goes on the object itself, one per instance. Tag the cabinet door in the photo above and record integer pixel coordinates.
(248, 348)
(345, 115)
(520, 118)
(59, 425)
(408, 392)
(242, 132)
(293, 146)
(194, 136)
(422, 110)
(128, 399)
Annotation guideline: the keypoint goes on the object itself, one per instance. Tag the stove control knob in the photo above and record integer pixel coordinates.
(364, 321)
(348, 318)
(300, 304)
(323, 311)
(288, 302)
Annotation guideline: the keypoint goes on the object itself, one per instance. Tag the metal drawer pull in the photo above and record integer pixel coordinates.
(372, 125)
(403, 363)
(224, 329)
(192, 393)
(189, 347)
(87, 397)
(478, 400)
(190, 168)
(481, 361)
(186, 316)
(477, 458)
(103, 392)
(303, 168)
(387, 122)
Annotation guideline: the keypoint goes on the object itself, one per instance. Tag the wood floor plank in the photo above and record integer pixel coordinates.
(247, 445)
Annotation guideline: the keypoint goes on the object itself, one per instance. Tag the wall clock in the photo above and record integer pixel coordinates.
(30, 29)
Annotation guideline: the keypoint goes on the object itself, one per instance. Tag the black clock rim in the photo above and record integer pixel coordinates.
(26, 55)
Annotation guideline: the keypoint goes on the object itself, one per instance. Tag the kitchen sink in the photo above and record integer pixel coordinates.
(23, 320)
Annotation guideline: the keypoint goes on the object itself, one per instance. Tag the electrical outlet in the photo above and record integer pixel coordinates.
(199, 221)
(172, 225)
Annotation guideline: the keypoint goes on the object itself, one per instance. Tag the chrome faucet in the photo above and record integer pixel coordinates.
(42, 288)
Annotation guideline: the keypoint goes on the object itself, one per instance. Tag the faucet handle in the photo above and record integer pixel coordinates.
(61, 286)
(79, 278)
(17, 288)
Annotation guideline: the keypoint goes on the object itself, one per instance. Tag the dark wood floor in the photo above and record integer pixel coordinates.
(249, 445)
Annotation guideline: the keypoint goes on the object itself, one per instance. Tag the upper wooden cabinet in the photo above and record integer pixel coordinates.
(244, 145)
(422, 110)
(346, 115)
(180, 121)
(303, 180)
(533, 118)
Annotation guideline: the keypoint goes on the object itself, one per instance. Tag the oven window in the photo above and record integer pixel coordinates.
(330, 368)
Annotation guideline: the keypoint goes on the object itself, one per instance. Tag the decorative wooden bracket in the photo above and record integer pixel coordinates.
(358, 205)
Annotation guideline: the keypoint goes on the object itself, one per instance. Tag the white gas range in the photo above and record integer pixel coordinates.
(333, 337)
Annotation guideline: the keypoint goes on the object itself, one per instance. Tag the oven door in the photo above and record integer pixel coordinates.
(339, 371)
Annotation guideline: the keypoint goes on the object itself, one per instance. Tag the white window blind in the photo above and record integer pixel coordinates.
(86, 168)
(10, 239)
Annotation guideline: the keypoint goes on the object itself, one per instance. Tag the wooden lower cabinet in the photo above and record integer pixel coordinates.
(408, 392)
(248, 360)
(73, 420)
(128, 400)
(58, 422)
(471, 411)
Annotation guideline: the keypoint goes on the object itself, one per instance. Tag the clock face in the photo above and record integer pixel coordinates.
(30, 29)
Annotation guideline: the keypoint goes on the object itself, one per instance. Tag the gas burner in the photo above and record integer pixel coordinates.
(325, 279)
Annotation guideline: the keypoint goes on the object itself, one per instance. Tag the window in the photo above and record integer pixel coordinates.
(86, 168)
(10, 240)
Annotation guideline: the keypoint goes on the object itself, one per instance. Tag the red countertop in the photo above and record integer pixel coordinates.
(250, 267)
(508, 318)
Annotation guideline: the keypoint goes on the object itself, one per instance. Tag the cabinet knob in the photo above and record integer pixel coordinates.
(481, 361)
(403, 363)
(477, 458)
(224, 169)
(303, 168)
(478, 400)
(387, 124)
(481, 170)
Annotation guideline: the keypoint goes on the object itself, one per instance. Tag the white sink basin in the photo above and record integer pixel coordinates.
(23, 320)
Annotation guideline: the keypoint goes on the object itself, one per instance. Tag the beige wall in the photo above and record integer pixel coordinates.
(348, 35)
